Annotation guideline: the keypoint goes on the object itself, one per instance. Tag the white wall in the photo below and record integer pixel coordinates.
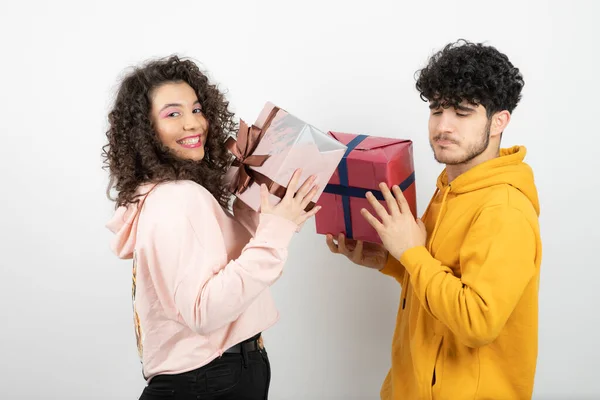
(66, 326)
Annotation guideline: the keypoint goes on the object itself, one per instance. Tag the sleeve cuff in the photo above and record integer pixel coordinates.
(392, 267)
(275, 230)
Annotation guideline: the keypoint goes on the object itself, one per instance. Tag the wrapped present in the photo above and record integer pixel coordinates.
(368, 161)
(273, 148)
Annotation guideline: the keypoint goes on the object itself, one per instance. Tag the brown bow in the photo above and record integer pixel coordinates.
(243, 149)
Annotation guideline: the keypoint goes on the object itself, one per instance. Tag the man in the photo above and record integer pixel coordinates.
(467, 325)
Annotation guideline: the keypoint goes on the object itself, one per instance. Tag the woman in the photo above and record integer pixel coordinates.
(201, 276)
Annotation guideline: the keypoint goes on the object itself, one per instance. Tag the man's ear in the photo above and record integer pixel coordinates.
(499, 122)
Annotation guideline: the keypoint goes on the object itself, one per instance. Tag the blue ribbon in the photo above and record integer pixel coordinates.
(343, 170)
(344, 189)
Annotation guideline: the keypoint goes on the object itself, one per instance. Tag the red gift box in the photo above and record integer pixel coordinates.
(368, 161)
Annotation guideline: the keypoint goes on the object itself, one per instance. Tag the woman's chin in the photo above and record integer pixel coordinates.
(191, 155)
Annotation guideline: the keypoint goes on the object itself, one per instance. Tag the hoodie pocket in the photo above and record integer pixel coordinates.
(404, 295)
(438, 371)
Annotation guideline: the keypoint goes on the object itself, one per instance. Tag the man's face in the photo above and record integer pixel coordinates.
(458, 135)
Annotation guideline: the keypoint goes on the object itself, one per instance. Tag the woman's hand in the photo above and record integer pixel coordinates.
(292, 205)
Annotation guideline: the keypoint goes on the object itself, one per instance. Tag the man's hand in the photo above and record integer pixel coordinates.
(398, 230)
(370, 255)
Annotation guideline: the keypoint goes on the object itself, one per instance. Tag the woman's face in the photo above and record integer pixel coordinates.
(178, 120)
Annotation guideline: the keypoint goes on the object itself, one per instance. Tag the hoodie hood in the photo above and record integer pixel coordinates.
(124, 225)
(508, 168)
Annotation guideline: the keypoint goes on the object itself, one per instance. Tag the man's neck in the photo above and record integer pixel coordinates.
(454, 171)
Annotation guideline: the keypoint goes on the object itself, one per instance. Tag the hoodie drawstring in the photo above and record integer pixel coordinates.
(438, 218)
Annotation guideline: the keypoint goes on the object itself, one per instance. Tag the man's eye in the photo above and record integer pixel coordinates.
(436, 113)
(462, 115)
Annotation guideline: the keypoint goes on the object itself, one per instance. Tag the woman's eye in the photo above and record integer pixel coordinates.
(198, 110)
(174, 114)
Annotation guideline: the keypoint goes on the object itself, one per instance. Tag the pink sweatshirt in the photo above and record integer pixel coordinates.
(201, 276)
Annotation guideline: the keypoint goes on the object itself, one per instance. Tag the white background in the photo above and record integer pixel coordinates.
(65, 311)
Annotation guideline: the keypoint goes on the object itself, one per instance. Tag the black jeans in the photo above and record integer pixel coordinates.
(240, 376)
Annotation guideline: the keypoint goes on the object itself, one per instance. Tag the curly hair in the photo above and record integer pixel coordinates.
(134, 154)
(474, 73)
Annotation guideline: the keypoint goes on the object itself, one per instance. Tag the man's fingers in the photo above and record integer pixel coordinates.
(389, 199)
(332, 246)
(401, 200)
(379, 209)
(342, 245)
(374, 222)
(357, 253)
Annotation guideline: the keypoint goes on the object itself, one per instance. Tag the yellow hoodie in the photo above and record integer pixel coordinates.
(467, 325)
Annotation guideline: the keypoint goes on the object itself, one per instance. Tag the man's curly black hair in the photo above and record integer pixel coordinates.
(134, 154)
(472, 72)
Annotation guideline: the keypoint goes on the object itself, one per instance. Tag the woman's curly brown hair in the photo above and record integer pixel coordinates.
(134, 154)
